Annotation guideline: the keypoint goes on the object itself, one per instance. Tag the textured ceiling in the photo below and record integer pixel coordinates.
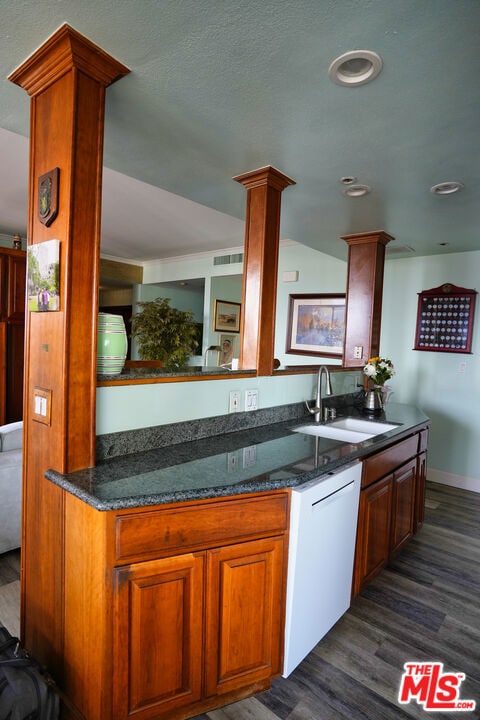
(220, 87)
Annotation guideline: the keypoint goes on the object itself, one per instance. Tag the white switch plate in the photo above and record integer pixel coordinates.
(249, 456)
(358, 352)
(234, 401)
(251, 400)
(42, 405)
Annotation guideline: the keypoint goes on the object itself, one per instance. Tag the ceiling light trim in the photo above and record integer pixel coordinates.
(355, 67)
(356, 191)
(447, 188)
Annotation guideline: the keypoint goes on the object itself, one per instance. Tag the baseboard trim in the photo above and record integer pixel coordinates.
(458, 481)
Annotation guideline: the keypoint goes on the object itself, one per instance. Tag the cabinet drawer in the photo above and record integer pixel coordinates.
(387, 460)
(166, 531)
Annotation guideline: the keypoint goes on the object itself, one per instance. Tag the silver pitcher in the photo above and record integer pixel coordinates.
(373, 401)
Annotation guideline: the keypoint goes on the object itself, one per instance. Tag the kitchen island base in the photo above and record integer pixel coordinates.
(187, 622)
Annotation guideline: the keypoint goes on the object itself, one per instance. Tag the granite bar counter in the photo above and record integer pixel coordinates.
(256, 459)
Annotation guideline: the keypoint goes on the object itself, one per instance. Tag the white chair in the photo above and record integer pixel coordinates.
(11, 437)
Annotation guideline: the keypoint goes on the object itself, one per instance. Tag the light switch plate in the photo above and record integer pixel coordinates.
(42, 405)
(251, 400)
(234, 401)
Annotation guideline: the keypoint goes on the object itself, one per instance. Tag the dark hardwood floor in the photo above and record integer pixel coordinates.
(424, 607)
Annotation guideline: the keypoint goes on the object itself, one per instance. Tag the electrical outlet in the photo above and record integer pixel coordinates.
(251, 400)
(234, 401)
(249, 456)
(232, 461)
(358, 352)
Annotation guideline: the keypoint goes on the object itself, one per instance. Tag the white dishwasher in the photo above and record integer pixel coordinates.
(323, 526)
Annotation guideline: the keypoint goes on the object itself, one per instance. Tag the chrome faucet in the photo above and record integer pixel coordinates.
(317, 410)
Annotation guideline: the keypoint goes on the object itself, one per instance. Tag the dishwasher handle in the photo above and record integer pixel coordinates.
(335, 495)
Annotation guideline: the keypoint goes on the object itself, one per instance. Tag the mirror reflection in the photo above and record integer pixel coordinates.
(196, 283)
(218, 344)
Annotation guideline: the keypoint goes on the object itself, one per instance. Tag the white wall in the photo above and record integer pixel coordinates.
(446, 386)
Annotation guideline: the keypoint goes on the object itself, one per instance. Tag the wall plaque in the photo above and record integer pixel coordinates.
(445, 319)
(48, 196)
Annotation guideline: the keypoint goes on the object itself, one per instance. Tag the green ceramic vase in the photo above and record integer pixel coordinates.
(111, 344)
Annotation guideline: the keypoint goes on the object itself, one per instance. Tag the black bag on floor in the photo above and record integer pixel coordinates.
(26, 692)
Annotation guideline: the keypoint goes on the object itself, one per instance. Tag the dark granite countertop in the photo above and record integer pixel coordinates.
(257, 459)
(190, 371)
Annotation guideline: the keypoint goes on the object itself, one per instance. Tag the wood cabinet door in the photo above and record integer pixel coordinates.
(403, 505)
(245, 611)
(16, 287)
(420, 491)
(373, 534)
(158, 654)
(3, 286)
(15, 334)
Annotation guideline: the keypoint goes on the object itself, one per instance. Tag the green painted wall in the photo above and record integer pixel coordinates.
(129, 407)
(445, 385)
(317, 273)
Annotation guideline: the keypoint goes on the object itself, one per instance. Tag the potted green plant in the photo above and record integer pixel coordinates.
(164, 333)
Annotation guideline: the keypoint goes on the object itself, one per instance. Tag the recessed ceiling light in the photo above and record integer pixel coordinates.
(356, 190)
(447, 188)
(355, 67)
(348, 180)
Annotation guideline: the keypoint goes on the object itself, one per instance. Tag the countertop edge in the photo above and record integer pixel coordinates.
(358, 452)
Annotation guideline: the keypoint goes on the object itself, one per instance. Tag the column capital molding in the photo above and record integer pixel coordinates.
(63, 51)
(378, 236)
(265, 176)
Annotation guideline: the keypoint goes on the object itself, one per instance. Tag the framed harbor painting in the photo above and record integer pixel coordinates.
(316, 324)
(227, 316)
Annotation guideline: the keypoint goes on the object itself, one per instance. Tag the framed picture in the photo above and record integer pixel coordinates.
(445, 319)
(228, 343)
(316, 325)
(43, 276)
(227, 316)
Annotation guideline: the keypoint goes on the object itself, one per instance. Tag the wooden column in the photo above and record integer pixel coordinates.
(366, 257)
(66, 80)
(260, 267)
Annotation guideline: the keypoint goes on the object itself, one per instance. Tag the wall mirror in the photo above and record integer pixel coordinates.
(196, 284)
(223, 282)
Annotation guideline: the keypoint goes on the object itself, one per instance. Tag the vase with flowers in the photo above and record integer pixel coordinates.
(378, 370)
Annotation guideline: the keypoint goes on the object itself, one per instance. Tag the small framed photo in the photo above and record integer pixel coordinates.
(43, 276)
(228, 343)
(227, 316)
(316, 325)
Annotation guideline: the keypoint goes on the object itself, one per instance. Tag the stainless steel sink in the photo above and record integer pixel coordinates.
(349, 429)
